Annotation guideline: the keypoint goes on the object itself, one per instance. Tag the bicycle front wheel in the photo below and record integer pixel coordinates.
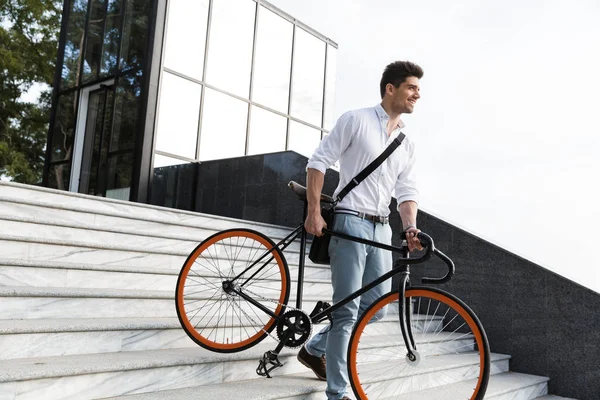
(219, 319)
(453, 356)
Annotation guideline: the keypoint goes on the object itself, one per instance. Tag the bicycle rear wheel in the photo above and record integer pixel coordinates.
(223, 321)
(453, 356)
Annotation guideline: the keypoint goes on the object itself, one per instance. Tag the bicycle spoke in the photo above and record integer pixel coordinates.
(445, 344)
(216, 317)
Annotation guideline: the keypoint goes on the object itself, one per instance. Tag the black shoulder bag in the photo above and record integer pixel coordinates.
(319, 248)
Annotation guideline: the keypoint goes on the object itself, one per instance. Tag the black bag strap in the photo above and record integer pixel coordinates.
(371, 167)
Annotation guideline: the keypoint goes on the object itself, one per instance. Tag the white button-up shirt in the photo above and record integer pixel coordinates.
(358, 138)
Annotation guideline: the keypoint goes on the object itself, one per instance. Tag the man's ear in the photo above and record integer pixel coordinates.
(389, 88)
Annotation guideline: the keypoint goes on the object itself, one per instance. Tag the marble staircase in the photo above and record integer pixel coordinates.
(87, 307)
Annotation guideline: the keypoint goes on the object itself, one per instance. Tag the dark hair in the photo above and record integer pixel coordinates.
(397, 72)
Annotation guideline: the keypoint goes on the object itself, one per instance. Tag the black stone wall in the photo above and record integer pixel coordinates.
(252, 188)
(548, 324)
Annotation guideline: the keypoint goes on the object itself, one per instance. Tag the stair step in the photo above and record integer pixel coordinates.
(506, 386)
(552, 397)
(302, 386)
(21, 302)
(377, 377)
(14, 272)
(36, 249)
(45, 303)
(58, 337)
(38, 274)
(171, 236)
(18, 200)
(55, 337)
(116, 374)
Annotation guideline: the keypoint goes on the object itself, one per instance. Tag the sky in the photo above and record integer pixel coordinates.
(506, 131)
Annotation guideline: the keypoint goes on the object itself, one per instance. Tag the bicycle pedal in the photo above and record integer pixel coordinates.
(319, 307)
(268, 358)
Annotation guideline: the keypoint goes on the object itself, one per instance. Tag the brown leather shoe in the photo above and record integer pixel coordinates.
(317, 364)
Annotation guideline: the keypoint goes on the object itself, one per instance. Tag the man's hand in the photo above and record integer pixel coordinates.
(411, 238)
(315, 223)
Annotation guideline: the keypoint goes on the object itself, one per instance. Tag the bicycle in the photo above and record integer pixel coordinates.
(233, 291)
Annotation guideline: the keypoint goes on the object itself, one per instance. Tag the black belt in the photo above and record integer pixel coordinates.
(362, 215)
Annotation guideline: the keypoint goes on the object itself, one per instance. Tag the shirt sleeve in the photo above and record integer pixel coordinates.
(333, 145)
(406, 184)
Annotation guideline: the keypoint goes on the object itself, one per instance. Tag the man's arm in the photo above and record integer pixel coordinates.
(314, 223)
(408, 214)
(328, 152)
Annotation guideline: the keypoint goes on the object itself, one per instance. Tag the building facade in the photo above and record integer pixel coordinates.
(145, 84)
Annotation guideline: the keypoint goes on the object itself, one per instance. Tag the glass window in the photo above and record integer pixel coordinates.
(126, 112)
(112, 36)
(64, 127)
(272, 61)
(330, 87)
(303, 139)
(186, 37)
(59, 176)
(95, 39)
(96, 141)
(309, 73)
(179, 108)
(164, 161)
(73, 44)
(223, 133)
(230, 47)
(120, 171)
(267, 132)
(135, 34)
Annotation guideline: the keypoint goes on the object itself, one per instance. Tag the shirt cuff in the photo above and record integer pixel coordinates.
(318, 165)
(407, 197)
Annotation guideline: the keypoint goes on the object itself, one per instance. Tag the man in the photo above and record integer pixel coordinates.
(358, 138)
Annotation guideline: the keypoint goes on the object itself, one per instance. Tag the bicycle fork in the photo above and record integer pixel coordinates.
(405, 315)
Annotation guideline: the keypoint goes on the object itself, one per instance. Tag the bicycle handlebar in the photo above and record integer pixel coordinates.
(427, 242)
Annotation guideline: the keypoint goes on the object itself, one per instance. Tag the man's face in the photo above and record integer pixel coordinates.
(405, 96)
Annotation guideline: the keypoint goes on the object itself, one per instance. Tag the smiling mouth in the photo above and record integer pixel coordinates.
(413, 102)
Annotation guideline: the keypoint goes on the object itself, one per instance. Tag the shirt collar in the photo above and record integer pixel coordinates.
(384, 115)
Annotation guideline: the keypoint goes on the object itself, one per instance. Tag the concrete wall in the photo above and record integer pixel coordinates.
(548, 324)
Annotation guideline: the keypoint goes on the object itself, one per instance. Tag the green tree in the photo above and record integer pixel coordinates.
(29, 32)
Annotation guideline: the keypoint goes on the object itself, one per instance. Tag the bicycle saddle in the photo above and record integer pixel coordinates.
(300, 191)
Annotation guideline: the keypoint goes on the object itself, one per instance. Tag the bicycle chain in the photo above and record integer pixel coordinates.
(287, 307)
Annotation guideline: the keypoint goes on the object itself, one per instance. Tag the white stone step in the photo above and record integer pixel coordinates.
(92, 376)
(382, 379)
(18, 200)
(113, 374)
(40, 274)
(157, 225)
(75, 303)
(302, 386)
(35, 249)
(21, 302)
(55, 226)
(55, 337)
(62, 337)
(506, 386)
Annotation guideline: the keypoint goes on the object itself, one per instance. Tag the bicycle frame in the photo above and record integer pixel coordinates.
(401, 267)
(323, 311)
